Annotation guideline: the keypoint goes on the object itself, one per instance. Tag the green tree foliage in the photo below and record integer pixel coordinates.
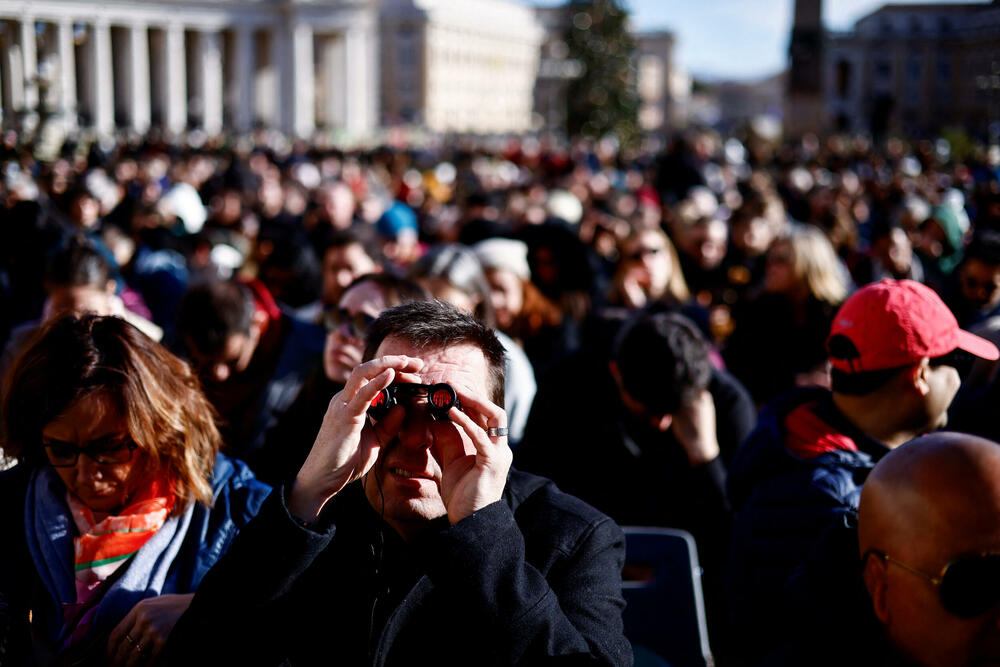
(604, 99)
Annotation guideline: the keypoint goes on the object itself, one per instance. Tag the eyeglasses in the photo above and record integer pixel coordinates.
(64, 455)
(968, 586)
(357, 323)
(643, 252)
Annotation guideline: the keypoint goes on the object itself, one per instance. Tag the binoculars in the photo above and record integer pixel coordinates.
(440, 397)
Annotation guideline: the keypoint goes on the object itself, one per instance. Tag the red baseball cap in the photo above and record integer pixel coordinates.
(895, 323)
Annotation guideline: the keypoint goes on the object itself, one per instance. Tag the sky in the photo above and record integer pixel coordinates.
(734, 39)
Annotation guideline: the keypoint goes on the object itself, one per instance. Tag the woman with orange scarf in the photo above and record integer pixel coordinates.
(120, 501)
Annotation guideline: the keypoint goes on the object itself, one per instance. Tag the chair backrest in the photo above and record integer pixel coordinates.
(662, 586)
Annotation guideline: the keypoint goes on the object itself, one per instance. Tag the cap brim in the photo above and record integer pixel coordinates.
(980, 347)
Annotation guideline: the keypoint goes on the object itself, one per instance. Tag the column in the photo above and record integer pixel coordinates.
(103, 78)
(334, 82)
(29, 64)
(245, 66)
(304, 93)
(284, 87)
(210, 52)
(359, 68)
(139, 104)
(13, 71)
(175, 117)
(67, 73)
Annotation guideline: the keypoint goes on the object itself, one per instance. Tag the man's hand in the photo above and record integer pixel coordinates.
(142, 634)
(346, 447)
(474, 464)
(694, 428)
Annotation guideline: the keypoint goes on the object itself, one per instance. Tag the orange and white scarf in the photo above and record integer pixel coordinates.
(103, 546)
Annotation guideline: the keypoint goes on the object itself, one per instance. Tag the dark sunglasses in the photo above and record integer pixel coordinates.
(357, 323)
(958, 359)
(63, 455)
(643, 252)
(968, 586)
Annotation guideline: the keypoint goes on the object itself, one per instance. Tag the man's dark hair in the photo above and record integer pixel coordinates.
(77, 263)
(985, 246)
(341, 238)
(436, 324)
(211, 312)
(395, 289)
(663, 360)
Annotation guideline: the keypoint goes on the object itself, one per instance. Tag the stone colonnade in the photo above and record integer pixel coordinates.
(211, 66)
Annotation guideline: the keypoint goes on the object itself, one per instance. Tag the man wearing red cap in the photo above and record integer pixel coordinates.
(895, 351)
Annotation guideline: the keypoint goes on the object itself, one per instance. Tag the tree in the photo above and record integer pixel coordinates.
(604, 99)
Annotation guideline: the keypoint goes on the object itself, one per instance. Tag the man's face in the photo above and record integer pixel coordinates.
(234, 357)
(407, 476)
(980, 284)
(915, 620)
(341, 265)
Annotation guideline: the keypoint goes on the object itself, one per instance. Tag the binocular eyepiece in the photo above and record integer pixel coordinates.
(441, 398)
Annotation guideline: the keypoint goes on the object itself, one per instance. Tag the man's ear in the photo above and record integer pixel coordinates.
(918, 377)
(874, 575)
(111, 288)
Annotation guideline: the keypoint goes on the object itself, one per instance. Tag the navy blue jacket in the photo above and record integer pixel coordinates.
(789, 480)
(534, 578)
(238, 497)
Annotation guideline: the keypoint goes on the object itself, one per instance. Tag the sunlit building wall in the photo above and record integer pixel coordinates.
(915, 69)
(459, 65)
(231, 64)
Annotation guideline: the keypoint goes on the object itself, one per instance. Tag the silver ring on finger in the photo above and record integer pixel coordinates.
(496, 431)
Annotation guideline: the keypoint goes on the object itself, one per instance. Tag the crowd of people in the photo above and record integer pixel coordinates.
(723, 335)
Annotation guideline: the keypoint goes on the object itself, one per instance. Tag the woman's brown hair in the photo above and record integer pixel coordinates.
(161, 400)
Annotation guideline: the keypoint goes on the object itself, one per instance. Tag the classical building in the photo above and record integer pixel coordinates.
(297, 65)
(459, 65)
(916, 69)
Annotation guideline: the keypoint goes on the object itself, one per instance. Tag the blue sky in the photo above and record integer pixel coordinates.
(734, 39)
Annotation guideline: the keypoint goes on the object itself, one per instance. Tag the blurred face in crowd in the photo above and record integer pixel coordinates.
(779, 272)
(753, 235)
(345, 337)
(337, 203)
(506, 294)
(896, 252)
(80, 299)
(708, 242)
(94, 424)
(440, 288)
(234, 357)
(980, 283)
(646, 254)
(341, 266)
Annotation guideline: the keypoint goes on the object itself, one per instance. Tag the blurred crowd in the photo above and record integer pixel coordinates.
(262, 261)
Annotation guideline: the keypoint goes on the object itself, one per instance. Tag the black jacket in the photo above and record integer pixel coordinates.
(534, 578)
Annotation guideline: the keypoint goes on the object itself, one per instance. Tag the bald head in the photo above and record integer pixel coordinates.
(939, 481)
(925, 505)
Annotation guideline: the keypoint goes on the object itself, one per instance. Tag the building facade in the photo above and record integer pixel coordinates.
(292, 64)
(916, 70)
(459, 65)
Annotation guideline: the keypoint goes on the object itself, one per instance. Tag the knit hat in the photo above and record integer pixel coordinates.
(509, 254)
